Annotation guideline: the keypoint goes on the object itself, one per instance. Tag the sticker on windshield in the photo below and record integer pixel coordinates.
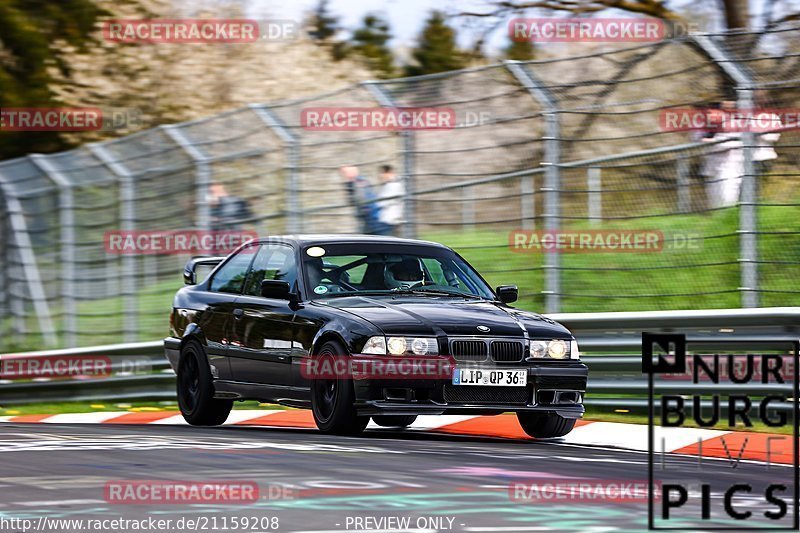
(316, 251)
(320, 289)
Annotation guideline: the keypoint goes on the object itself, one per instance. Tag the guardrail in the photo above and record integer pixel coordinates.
(610, 342)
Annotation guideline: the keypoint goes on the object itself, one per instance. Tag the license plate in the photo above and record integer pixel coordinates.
(490, 377)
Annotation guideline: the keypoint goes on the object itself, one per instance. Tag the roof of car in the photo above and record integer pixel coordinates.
(343, 238)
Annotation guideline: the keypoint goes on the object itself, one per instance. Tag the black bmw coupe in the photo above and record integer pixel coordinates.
(355, 327)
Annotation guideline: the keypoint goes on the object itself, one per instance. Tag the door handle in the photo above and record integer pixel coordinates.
(237, 313)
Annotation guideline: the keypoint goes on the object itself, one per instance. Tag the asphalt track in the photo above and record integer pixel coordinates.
(53, 472)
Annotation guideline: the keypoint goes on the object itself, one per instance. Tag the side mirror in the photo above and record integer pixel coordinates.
(276, 289)
(507, 293)
(190, 270)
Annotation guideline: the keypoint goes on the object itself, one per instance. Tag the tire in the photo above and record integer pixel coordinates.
(394, 421)
(196, 389)
(542, 426)
(333, 400)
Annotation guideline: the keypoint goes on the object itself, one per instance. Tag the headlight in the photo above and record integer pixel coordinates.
(375, 345)
(557, 349)
(574, 352)
(412, 345)
(421, 346)
(538, 349)
(396, 345)
(553, 349)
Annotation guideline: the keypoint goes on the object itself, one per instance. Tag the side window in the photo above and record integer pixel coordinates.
(273, 262)
(230, 278)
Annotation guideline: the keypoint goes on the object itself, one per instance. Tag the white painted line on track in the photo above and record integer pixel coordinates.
(175, 420)
(427, 422)
(634, 436)
(83, 418)
(244, 415)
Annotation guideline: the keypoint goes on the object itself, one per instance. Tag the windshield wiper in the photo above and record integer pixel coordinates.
(438, 291)
(375, 292)
(393, 292)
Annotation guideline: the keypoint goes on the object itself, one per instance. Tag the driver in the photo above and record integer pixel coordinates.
(404, 275)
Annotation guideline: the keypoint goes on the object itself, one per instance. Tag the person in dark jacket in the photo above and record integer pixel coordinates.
(227, 212)
(362, 196)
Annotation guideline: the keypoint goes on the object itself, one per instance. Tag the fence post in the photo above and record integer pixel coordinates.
(408, 163)
(595, 195)
(748, 212)
(127, 216)
(66, 211)
(552, 178)
(467, 208)
(203, 175)
(294, 222)
(748, 202)
(6, 249)
(528, 201)
(30, 268)
(684, 194)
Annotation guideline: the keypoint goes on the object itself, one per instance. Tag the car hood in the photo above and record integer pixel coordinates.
(448, 316)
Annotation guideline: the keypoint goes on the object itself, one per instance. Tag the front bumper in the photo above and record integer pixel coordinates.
(553, 388)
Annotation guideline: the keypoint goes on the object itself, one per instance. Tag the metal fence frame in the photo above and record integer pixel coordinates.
(551, 169)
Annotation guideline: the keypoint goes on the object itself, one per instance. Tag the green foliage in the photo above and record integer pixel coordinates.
(323, 24)
(520, 51)
(437, 50)
(370, 41)
(28, 29)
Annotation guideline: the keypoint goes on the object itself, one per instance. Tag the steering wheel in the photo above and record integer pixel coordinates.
(338, 282)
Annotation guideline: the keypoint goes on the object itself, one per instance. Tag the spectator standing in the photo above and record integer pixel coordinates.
(362, 196)
(764, 152)
(390, 201)
(227, 212)
(724, 164)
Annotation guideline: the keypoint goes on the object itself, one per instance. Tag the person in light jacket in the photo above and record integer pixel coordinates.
(390, 201)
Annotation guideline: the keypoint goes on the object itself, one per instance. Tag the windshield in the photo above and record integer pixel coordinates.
(333, 270)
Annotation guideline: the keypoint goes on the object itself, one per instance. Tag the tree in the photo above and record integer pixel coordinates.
(370, 41)
(29, 28)
(736, 12)
(323, 25)
(437, 50)
(519, 50)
